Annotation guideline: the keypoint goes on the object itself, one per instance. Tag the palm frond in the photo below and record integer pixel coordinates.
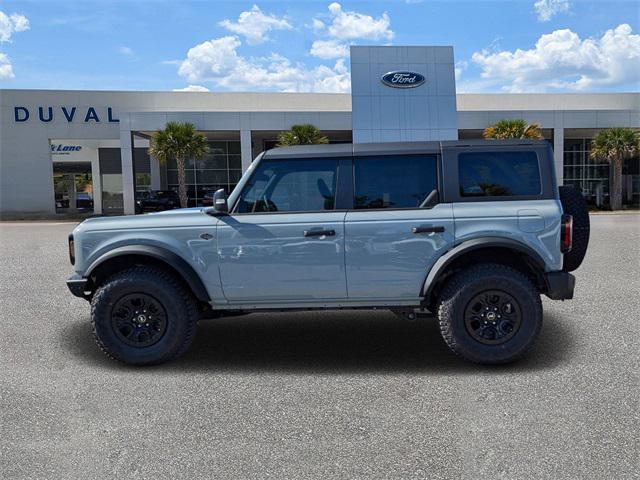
(516, 128)
(304, 134)
(615, 145)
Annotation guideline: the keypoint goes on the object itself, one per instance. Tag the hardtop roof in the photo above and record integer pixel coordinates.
(407, 148)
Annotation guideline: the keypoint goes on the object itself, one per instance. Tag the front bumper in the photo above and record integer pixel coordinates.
(77, 285)
(560, 285)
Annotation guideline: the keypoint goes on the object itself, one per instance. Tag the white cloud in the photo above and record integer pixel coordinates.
(547, 9)
(10, 24)
(192, 88)
(329, 49)
(218, 61)
(254, 25)
(210, 59)
(6, 70)
(345, 26)
(562, 60)
(125, 51)
(460, 67)
(317, 25)
(352, 25)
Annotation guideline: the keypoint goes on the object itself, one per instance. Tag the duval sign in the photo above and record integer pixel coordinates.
(403, 79)
(70, 114)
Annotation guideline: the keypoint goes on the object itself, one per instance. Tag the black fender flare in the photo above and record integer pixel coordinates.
(176, 262)
(467, 246)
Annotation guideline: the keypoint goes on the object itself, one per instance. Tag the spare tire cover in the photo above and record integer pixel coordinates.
(574, 204)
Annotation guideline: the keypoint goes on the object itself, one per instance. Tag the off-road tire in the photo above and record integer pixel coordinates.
(574, 204)
(178, 303)
(463, 287)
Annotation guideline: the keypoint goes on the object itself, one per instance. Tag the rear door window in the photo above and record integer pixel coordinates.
(499, 174)
(394, 181)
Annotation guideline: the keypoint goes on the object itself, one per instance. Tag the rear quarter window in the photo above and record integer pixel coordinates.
(499, 174)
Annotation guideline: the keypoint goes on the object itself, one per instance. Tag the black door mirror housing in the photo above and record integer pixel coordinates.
(220, 205)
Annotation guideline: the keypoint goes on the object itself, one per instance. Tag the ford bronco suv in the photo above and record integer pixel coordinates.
(473, 232)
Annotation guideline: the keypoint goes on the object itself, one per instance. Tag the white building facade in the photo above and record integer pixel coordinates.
(86, 151)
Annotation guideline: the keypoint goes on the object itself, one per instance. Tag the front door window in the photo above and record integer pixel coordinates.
(291, 186)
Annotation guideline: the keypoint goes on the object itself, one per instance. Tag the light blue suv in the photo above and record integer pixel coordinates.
(470, 231)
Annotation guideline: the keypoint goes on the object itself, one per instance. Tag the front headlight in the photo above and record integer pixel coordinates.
(72, 252)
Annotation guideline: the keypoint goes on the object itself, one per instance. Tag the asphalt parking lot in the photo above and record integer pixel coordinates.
(319, 395)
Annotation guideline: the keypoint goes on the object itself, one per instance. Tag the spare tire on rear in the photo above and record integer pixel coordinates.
(574, 204)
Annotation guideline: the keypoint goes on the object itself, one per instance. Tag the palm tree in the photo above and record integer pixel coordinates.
(614, 146)
(301, 135)
(516, 128)
(179, 141)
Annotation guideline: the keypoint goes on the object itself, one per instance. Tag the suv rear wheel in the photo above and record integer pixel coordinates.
(490, 314)
(143, 316)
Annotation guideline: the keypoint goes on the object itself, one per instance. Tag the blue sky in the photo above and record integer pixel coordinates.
(500, 46)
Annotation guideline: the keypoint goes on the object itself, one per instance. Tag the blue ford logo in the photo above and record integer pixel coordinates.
(401, 79)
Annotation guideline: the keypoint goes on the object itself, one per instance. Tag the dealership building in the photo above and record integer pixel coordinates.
(67, 151)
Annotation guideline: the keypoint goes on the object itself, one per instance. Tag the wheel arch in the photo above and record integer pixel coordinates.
(497, 250)
(123, 257)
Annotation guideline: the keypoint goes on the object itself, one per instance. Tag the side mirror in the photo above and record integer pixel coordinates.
(220, 201)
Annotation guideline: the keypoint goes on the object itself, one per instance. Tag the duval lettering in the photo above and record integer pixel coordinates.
(48, 114)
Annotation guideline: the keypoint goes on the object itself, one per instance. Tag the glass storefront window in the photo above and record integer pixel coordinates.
(73, 187)
(112, 200)
(221, 168)
(143, 182)
(592, 176)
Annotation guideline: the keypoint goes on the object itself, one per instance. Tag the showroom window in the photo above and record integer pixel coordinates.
(592, 176)
(221, 168)
(394, 181)
(588, 175)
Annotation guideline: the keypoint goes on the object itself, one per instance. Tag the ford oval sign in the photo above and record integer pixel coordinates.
(401, 79)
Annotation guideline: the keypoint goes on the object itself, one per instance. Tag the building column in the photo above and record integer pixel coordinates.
(245, 149)
(96, 183)
(126, 157)
(154, 164)
(558, 153)
(73, 197)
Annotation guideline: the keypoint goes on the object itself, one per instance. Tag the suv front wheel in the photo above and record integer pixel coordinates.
(490, 314)
(143, 316)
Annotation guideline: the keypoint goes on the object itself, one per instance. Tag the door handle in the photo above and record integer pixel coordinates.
(319, 233)
(428, 229)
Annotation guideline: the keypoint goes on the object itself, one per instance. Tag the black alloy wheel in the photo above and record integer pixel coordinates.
(139, 320)
(492, 317)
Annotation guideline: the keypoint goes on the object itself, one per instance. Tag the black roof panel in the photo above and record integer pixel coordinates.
(391, 148)
(387, 148)
(310, 151)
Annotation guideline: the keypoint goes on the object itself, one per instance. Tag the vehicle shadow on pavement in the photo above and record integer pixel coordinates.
(328, 342)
